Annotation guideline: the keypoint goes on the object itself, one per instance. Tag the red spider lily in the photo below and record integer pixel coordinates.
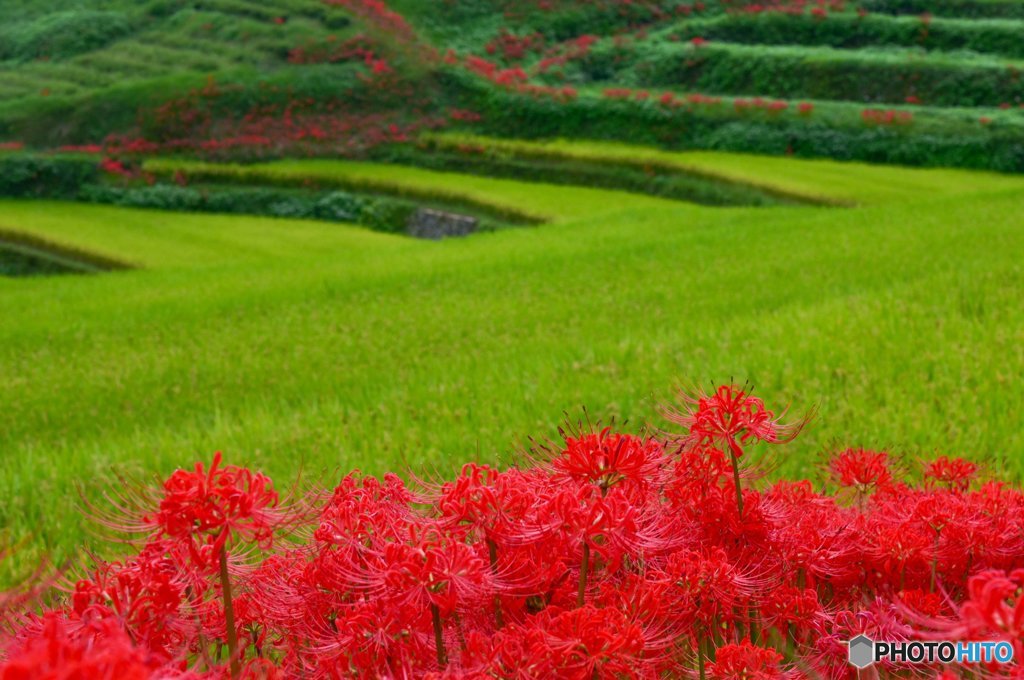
(732, 417)
(114, 167)
(145, 595)
(707, 589)
(787, 606)
(582, 643)
(993, 610)
(431, 569)
(994, 607)
(97, 651)
(607, 459)
(205, 509)
(861, 469)
(887, 117)
(747, 661)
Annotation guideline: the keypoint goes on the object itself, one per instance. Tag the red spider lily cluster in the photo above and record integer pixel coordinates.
(512, 47)
(886, 117)
(693, 100)
(816, 8)
(572, 50)
(514, 79)
(607, 555)
(770, 106)
(357, 119)
(11, 146)
(383, 18)
(332, 51)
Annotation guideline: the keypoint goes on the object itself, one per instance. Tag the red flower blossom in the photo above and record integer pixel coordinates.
(956, 473)
(730, 417)
(606, 459)
(204, 510)
(861, 469)
(746, 661)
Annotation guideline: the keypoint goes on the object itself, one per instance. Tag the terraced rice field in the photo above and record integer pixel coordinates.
(292, 344)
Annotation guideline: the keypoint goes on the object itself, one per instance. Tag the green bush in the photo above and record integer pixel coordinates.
(339, 206)
(385, 214)
(968, 9)
(593, 117)
(380, 213)
(158, 196)
(849, 31)
(62, 34)
(28, 175)
(812, 73)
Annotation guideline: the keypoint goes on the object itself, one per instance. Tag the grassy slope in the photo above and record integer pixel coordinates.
(169, 48)
(345, 349)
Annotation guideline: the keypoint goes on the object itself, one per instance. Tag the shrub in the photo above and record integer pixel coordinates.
(705, 127)
(158, 196)
(814, 73)
(384, 214)
(340, 206)
(380, 213)
(851, 32)
(28, 175)
(967, 9)
(603, 555)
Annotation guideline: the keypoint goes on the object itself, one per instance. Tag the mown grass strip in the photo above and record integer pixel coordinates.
(824, 182)
(405, 183)
(609, 154)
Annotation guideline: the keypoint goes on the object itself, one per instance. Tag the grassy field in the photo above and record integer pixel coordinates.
(325, 347)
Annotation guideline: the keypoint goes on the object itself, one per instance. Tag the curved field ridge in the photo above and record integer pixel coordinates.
(814, 181)
(522, 201)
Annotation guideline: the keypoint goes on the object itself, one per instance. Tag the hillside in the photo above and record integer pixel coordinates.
(875, 80)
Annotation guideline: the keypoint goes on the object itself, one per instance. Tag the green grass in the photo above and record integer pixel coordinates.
(527, 201)
(814, 180)
(296, 344)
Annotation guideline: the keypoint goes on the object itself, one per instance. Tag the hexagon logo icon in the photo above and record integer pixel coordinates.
(862, 651)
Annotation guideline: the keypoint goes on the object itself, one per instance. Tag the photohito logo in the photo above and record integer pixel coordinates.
(864, 652)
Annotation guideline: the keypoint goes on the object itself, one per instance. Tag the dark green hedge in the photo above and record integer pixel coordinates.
(850, 31)
(25, 175)
(967, 9)
(380, 213)
(509, 114)
(808, 73)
